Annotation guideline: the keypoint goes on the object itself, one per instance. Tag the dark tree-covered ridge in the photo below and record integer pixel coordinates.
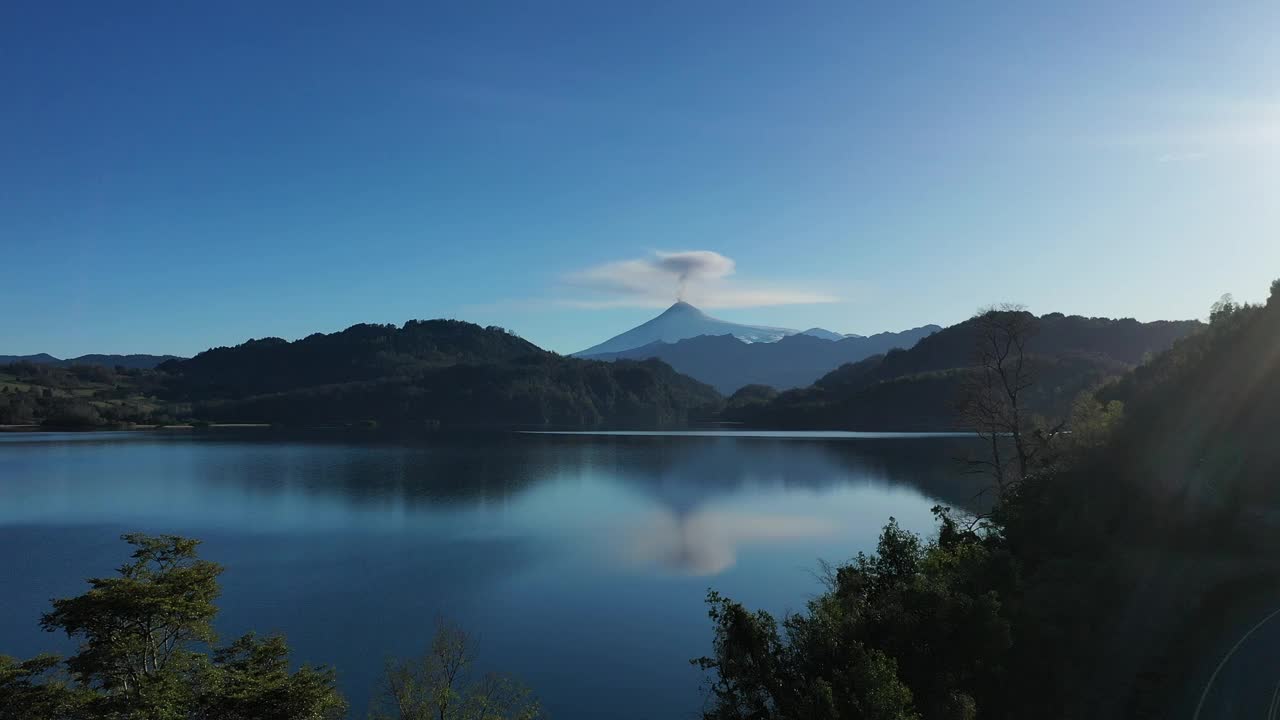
(434, 373)
(920, 388)
(361, 352)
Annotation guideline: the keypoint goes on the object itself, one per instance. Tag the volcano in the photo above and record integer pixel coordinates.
(681, 321)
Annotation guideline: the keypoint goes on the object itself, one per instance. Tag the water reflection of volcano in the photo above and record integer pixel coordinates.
(707, 542)
(696, 502)
(699, 525)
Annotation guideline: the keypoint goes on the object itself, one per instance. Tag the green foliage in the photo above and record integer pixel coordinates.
(252, 681)
(915, 630)
(442, 685)
(78, 396)
(749, 395)
(33, 690)
(73, 414)
(147, 652)
(133, 626)
(1092, 422)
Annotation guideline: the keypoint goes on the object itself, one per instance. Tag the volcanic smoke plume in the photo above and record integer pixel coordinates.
(693, 265)
(700, 277)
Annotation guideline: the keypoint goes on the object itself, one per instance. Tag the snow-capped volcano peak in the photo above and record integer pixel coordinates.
(681, 321)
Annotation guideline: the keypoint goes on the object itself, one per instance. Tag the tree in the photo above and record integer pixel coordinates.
(134, 627)
(759, 675)
(1224, 308)
(748, 395)
(1092, 422)
(915, 630)
(995, 396)
(253, 682)
(145, 641)
(441, 686)
(33, 690)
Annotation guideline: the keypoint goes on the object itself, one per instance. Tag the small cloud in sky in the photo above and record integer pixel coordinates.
(700, 277)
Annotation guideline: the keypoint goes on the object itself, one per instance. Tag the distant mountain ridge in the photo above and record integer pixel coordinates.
(682, 321)
(133, 362)
(827, 334)
(919, 388)
(797, 360)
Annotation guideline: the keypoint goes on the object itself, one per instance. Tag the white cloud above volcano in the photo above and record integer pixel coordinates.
(700, 277)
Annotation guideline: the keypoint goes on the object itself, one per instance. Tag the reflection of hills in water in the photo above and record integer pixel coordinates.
(695, 534)
(685, 503)
(685, 472)
(681, 473)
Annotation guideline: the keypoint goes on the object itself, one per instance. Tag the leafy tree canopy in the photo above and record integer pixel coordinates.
(147, 650)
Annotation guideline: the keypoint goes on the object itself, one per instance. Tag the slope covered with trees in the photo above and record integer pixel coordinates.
(425, 374)
(1211, 404)
(437, 373)
(82, 396)
(920, 388)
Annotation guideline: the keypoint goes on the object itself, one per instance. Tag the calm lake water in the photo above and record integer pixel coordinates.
(580, 561)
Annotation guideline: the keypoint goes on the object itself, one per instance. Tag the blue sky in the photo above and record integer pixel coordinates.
(180, 175)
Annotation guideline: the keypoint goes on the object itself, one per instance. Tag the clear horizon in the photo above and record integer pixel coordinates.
(178, 178)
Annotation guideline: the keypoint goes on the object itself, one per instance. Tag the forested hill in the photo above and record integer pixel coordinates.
(1202, 418)
(361, 352)
(435, 373)
(919, 388)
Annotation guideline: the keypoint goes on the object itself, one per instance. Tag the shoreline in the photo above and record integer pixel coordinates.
(130, 428)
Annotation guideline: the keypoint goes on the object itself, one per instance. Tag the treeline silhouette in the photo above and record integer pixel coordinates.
(435, 373)
(919, 388)
(129, 362)
(425, 374)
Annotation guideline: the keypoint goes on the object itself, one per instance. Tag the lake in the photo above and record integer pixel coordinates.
(579, 561)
